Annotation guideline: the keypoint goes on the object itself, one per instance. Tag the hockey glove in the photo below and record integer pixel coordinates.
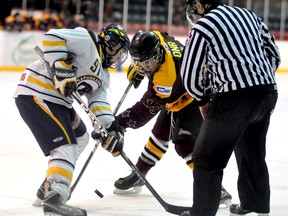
(64, 79)
(135, 76)
(114, 142)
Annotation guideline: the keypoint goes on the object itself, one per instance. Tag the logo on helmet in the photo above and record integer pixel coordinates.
(107, 38)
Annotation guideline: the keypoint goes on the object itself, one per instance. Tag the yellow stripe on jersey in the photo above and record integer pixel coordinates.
(180, 103)
(40, 83)
(166, 74)
(53, 43)
(65, 65)
(54, 118)
(154, 149)
(59, 171)
(101, 108)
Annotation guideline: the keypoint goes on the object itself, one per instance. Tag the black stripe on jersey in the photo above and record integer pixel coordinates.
(230, 47)
(59, 98)
(248, 44)
(188, 75)
(93, 37)
(238, 71)
(253, 50)
(39, 74)
(48, 34)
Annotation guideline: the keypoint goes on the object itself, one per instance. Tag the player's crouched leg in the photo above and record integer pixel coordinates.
(59, 177)
(82, 143)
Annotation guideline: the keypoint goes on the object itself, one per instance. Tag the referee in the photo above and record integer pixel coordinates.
(241, 57)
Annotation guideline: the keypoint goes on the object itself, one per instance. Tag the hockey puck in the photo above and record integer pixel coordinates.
(99, 193)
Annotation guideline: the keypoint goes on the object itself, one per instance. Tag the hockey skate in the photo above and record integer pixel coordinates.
(54, 206)
(130, 184)
(235, 209)
(40, 196)
(226, 198)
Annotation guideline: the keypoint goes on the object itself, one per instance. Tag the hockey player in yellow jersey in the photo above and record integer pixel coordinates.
(78, 62)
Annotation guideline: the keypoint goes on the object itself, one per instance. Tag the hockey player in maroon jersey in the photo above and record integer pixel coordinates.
(158, 56)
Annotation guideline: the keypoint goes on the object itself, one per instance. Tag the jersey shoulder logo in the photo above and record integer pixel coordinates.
(164, 90)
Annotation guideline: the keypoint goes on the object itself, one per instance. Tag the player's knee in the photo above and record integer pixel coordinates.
(82, 142)
(184, 149)
(161, 132)
(66, 152)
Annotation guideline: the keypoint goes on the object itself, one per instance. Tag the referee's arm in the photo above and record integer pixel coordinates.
(270, 47)
(192, 68)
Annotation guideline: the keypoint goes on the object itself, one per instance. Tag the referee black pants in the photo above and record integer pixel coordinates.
(237, 122)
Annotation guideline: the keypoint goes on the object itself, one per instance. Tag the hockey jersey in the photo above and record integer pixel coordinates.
(92, 79)
(159, 86)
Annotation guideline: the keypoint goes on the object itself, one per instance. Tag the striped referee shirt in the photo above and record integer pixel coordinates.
(236, 48)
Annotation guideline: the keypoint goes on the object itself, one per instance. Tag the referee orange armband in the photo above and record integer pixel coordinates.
(180, 103)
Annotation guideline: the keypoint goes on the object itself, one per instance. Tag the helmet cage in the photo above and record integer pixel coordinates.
(116, 44)
(152, 63)
(146, 51)
(192, 14)
(116, 54)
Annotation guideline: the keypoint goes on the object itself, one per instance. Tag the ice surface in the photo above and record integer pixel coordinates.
(23, 166)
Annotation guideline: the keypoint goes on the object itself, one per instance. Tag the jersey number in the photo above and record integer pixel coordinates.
(152, 107)
(95, 67)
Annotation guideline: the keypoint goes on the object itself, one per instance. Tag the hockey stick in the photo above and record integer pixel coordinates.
(84, 167)
(123, 97)
(173, 209)
(98, 142)
(90, 114)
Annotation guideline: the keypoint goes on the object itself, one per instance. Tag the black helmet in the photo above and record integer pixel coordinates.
(192, 13)
(115, 43)
(209, 1)
(190, 5)
(146, 51)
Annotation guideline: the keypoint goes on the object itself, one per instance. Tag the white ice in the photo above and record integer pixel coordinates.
(23, 166)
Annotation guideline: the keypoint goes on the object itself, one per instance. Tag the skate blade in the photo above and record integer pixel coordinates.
(38, 203)
(133, 190)
(225, 204)
(51, 214)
